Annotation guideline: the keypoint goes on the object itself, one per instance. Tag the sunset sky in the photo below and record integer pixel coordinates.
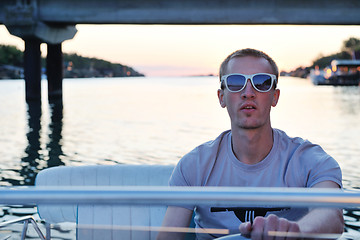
(176, 50)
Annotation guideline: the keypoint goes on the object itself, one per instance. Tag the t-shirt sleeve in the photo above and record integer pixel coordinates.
(181, 176)
(322, 167)
(196, 166)
(183, 172)
(326, 169)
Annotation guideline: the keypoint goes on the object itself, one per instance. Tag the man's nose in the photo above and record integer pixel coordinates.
(248, 91)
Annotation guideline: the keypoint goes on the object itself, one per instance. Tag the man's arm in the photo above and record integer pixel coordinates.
(177, 217)
(323, 220)
(318, 220)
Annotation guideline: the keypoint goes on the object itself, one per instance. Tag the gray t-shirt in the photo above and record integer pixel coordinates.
(292, 162)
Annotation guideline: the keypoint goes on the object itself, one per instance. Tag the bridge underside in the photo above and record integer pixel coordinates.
(53, 21)
(320, 12)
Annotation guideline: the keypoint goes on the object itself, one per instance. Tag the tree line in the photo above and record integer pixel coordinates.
(350, 49)
(75, 66)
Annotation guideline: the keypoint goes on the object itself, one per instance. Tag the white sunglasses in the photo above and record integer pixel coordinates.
(262, 82)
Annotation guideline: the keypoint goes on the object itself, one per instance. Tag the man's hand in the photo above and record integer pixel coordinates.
(262, 225)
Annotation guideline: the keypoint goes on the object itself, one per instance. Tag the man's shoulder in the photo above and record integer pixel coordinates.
(195, 166)
(208, 150)
(307, 162)
(306, 152)
(282, 137)
(297, 148)
(282, 134)
(215, 143)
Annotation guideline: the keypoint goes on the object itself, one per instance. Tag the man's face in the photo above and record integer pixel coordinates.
(249, 109)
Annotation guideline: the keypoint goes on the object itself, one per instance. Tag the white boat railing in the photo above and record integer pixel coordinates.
(138, 195)
(150, 195)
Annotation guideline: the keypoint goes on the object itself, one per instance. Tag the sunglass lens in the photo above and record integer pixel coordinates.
(235, 82)
(262, 82)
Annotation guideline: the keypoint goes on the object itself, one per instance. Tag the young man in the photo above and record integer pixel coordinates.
(253, 154)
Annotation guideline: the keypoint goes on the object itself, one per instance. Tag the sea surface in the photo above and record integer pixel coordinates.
(156, 120)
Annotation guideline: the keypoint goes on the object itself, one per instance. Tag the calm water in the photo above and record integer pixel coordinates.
(158, 120)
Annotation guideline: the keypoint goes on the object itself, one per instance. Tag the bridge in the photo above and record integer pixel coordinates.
(54, 21)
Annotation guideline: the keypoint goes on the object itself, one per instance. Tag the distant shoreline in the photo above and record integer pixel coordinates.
(74, 66)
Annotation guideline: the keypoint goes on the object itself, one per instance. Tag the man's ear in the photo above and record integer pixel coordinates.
(276, 97)
(220, 94)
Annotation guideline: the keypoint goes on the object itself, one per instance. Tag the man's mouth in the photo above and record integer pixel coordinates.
(248, 107)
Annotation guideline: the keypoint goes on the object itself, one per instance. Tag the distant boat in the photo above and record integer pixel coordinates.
(318, 77)
(340, 73)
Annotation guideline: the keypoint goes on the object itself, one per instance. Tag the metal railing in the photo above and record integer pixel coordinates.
(26, 221)
(139, 195)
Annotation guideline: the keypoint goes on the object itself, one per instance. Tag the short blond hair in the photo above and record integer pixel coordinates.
(245, 53)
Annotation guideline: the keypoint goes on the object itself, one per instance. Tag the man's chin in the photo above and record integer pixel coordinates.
(249, 126)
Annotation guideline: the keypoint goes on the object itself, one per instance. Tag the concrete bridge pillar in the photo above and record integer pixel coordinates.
(32, 69)
(54, 71)
(22, 20)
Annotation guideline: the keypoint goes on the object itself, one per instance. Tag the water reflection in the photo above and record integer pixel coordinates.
(351, 217)
(55, 136)
(36, 157)
(349, 99)
(32, 152)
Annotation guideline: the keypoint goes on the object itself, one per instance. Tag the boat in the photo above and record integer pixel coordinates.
(129, 201)
(339, 73)
(317, 77)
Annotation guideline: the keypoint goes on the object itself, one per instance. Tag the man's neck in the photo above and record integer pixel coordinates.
(251, 146)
